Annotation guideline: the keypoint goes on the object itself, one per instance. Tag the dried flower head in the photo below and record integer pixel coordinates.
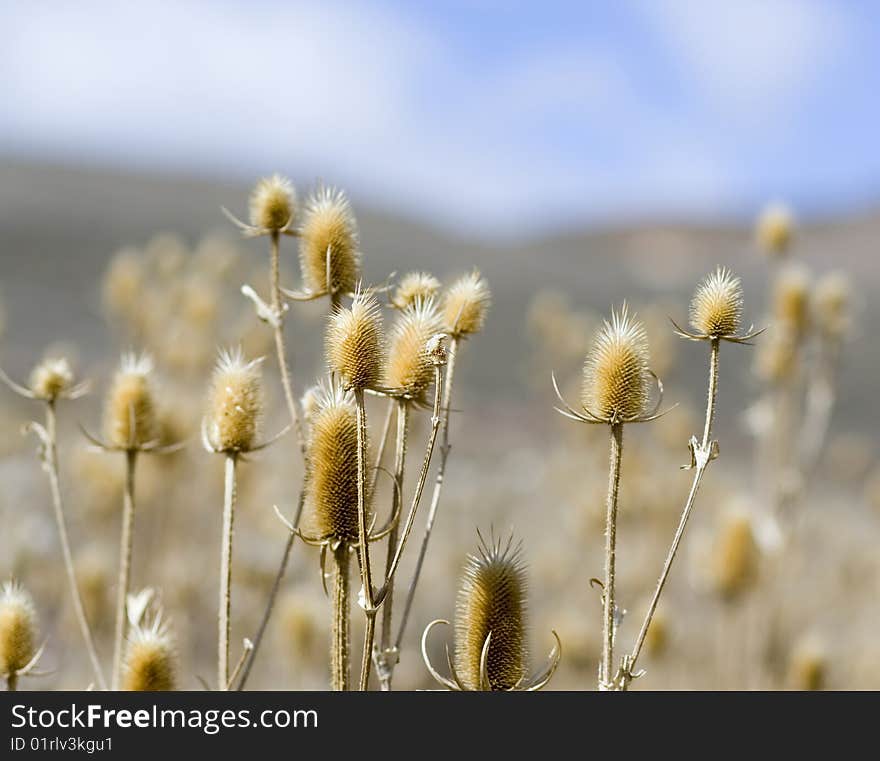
(18, 629)
(355, 343)
(329, 230)
(831, 304)
(791, 298)
(716, 309)
(272, 203)
(735, 557)
(410, 366)
(333, 475)
(616, 378)
(235, 403)
(51, 378)
(492, 601)
(130, 410)
(150, 658)
(775, 229)
(808, 665)
(413, 287)
(465, 306)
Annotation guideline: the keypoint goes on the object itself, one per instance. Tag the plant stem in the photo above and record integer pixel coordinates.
(124, 581)
(12, 682)
(363, 541)
(52, 470)
(608, 607)
(223, 614)
(339, 655)
(383, 443)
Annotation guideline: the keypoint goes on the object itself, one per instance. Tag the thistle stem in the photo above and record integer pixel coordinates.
(363, 541)
(124, 580)
(223, 614)
(608, 607)
(339, 655)
(12, 682)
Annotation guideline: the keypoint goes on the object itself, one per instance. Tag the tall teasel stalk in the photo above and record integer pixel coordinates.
(18, 634)
(52, 380)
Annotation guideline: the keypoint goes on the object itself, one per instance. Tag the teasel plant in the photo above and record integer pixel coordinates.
(491, 650)
(150, 663)
(52, 381)
(19, 653)
(130, 427)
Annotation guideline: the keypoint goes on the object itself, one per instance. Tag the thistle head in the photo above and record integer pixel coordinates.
(716, 308)
(272, 203)
(51, 378)
(235, 403)
(492, 600)
(616, 378)
(791, 298)
(465, 305)
(150, 663)
(808, 665)
(18, 629)
(410, 367)
(735, 557)
(329, 230)
(355, 343)
(415, 286)
(775, 229)
(333, 474)
(832, 299)
(130, 419)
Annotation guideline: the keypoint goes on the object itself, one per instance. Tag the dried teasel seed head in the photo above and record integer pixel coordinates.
(329, 226)
(808, 665)
(272, 203)
(355, 343)
(832, 298)
(51, 378)
(466, 304)
(18, 628)
(410, 364)
(791, 298)
(736, 556)
(333, 476)
(492, 600)
(130, 419)
(150, 659)
(413, 287)
(716, 309)
(775, 229)
(616, 378)
(235, 403)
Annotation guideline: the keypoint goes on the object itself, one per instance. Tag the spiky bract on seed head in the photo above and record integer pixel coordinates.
(466, 303)
(333, 473)
(355, 343)
(18, 628)
(716, 309)
(492, 600)
(272, 203)
(791, 298)
(415, 286)
(130, 419)
(775, 229)
(329, 228)
(617, 378)
(235, 402)
(150, 659)
(51, 378)
(410, 367)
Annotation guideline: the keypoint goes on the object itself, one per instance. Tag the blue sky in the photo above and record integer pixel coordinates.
(497, 118)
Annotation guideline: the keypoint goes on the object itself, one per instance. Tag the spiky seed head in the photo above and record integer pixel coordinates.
(130, 419)
(735, 557)
(775, 229)
(492, 599)
(466, 304)
(831, 304)
(410, 365)
(329, 225)
(235, 402)
(413, 287)
(808, 665)
(791, 298)
(150, 659)
(272, 203)
(18, 628)
(51, 378)
(716, 309)
(333, 473)
(617, 378)
(355, 342)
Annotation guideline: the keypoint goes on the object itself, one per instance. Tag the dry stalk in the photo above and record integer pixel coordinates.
(340, 653)
(223, 614)
(608, 607)
(124, 578)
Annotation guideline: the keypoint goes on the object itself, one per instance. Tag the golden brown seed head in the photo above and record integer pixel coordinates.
(791, 298)
(492, 599)
(235, 403)
(18, 628)
(150, 659)
(51, 378)
(466, 304)
(716, 309)
(808, 665)
(333, 473)
(831, 304)
(775, 229)
(355, 343)
(272, 203)
(735, 557)
(617, 379)
(130, 410)
(413, 287)
(329, 225)
(410, 365)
